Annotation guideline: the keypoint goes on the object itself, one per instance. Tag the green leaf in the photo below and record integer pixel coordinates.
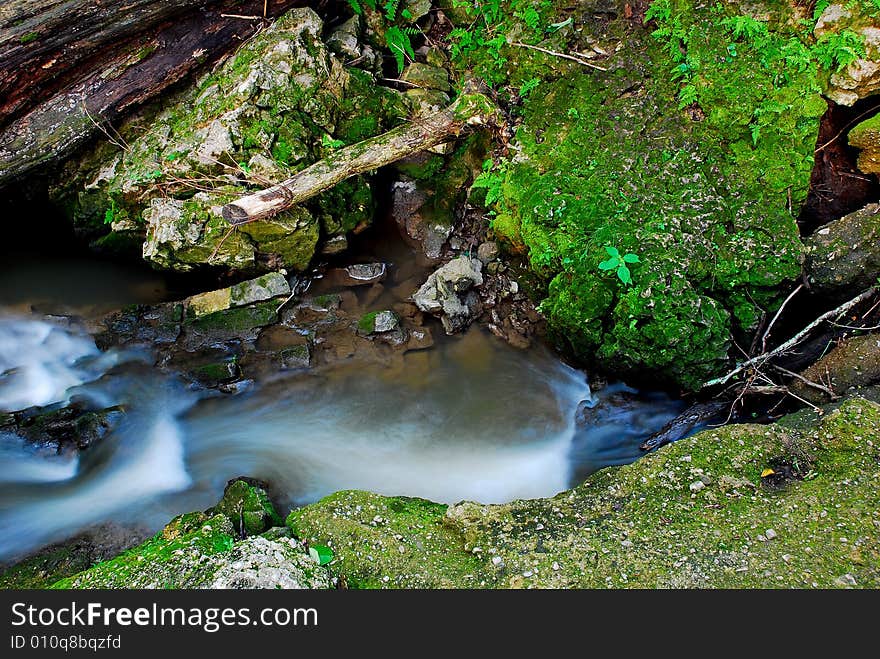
(624, 275)
(630, 258)
(610, 264)
(612, 251)
(321, 554)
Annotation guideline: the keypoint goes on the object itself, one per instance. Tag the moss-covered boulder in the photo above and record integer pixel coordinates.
(248, 507)
(692, 152)
(204, 550)
(866, 138)
(382, 542)
(744, 506)
(852, 364)
(843, 257)
(281, 103)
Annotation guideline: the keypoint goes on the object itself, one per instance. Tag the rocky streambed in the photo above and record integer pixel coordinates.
(393, 374)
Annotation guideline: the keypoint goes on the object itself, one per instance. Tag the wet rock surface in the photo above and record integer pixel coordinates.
(448, 293)
(843, 257)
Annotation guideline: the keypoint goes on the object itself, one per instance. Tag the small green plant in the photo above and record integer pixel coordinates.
(618, 263)
(837, 51)
(329, 143)
(491, 180)
(111, 212)
(397, 35)
(243, 166)
(528, 86)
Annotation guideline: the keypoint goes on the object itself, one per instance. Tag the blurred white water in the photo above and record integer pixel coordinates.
(40, 361)
(470, 419)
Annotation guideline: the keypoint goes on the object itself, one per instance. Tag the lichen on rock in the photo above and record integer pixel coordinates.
(269, 111)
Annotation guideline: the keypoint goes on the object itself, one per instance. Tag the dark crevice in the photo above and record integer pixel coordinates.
(837, 187)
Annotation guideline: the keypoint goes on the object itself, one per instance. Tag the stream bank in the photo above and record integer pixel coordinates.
(710, 218)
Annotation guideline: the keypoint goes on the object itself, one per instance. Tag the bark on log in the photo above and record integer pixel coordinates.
(470, 110)
(67, 64)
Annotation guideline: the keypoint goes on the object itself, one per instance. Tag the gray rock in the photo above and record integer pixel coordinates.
(487, 252)
(367, 273)
(448, 293)
(257, 562)
(844, 255)
(345, 39)
(861, 78)
(415, 216)
(696, 486)
(386, 321)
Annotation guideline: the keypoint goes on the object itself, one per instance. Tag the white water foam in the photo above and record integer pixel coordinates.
(39, 362)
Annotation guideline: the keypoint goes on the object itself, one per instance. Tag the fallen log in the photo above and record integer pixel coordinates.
(68, 66)
(470, 110)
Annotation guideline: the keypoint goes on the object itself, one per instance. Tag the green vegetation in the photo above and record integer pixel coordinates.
(398, 27)
(703, 189)
(618, 263)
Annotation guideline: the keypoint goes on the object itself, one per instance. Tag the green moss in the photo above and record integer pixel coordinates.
(367, 322)
(164, 561)
(28, 38)
(381, 542)
(238, 319)
(248, 507)
(701, 192)
(48, 566)
(694, 514)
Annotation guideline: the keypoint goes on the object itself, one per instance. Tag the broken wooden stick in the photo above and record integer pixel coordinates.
(793, 341)
(470, 110)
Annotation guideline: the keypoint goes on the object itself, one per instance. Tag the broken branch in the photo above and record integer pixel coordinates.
(469, 111)
(793, 341)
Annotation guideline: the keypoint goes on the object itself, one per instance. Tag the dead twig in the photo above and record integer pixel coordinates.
(793, 341)
(776, 317)
(562, 55)
(807, 382)
(844, 129)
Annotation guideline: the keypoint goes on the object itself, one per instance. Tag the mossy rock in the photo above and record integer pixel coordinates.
(699, 173)
(695, 514)
(178, 561)
(866, 137)
(248, 507)
(267, 112)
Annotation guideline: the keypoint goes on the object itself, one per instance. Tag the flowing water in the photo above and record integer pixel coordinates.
(471, 418)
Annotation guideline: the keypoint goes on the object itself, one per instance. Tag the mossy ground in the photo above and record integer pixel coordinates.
(693, 150)
(696, 513)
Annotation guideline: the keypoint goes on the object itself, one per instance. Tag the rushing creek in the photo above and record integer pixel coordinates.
(470, 418)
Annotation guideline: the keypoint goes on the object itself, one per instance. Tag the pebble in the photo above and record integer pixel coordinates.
(846, 580)
(497, 560)
(555, 566)
(696, 486)
(527, 573)
(627, 543)
(770, 534)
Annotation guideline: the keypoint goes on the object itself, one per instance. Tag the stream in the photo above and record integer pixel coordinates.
(470, 418)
